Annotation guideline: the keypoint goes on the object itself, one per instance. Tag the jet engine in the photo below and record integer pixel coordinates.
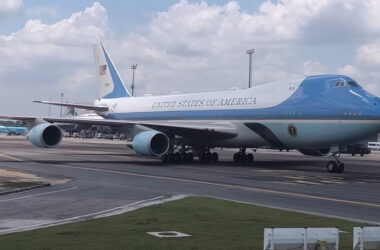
(316, 152)
(151, 143)
(45, 135)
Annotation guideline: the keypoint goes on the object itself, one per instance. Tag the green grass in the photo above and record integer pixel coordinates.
(18, 184)
(213, 224)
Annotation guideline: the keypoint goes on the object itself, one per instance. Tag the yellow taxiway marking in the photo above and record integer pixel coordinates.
(8, 157)
(252, 189)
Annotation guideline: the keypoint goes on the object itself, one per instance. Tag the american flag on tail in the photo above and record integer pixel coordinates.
(102, 70)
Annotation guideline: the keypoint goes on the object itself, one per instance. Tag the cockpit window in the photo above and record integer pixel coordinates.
(342, 83)
(353, 84)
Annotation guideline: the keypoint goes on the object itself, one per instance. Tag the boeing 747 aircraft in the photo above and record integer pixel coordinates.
(317, 115)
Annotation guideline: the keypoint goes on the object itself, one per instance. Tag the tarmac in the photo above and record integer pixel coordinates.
(95, 178)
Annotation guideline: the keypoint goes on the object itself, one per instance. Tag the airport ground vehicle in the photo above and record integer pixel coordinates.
(374, 146)
(357, 149)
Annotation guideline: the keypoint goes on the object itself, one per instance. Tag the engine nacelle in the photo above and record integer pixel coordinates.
(45, 135)
(316, 152)
(151, 143)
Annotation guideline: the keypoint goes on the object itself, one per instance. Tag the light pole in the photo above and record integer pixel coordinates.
(250, 52)
(61, 102)
(133, 67)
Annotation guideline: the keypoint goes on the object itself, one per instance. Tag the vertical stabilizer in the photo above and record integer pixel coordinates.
(110, 83)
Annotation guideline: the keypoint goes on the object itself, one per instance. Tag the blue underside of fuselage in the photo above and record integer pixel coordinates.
(316, 98)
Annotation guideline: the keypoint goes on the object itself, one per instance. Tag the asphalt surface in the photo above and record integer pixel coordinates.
(102, 178)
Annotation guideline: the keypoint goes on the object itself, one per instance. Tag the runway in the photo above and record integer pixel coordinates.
(107, 177)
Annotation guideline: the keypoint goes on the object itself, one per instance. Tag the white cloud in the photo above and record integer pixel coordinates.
(38, 58)
(81, 28)
(68, 39)
(10, 7)
(314, 68)
(350, 70)
(370, 53)
(194, 47)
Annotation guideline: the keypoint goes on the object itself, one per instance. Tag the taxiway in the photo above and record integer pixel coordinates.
(106, 177)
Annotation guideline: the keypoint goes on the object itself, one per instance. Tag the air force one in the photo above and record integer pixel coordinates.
(318, 115)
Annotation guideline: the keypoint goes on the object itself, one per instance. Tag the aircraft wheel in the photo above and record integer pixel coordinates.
(177, 157)
(184, 157)
(250, 158)
(190, 157)
(202, 157)
(171, 158)
(208, 157)
(236, 157)
(332, 166)
(164, 158)
(215, 157)
(243, 158)
(340, 168)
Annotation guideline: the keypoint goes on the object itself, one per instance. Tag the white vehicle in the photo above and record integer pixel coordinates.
(374, 146)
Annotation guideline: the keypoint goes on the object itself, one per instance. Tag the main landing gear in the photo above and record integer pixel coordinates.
(208, 157)
(187, 154)
(336, 165)
(177, 157)
(243, 157)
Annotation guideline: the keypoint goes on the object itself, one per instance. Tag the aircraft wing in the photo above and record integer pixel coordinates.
(30, 121)
(19, 118)
(73, 105)
(211, 130)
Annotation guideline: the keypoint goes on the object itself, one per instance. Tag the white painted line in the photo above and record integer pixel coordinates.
(104, 213)
(33, 195)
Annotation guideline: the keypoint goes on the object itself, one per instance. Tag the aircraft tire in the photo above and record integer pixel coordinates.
(215, 157)
(236, 157)
(250, 158)
(208, 157)
(190, 157)
(171, 158)
(332, 166)
(184, 157)
(164, 158)
(243, 158)
(340, 168)
(177, 157)
(202, 157)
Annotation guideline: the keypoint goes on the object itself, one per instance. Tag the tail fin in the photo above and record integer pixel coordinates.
(110, 83)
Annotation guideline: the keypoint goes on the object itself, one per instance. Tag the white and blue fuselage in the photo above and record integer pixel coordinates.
(317, 112)
(318, 115)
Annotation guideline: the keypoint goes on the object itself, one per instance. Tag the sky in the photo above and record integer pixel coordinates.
(179, 46)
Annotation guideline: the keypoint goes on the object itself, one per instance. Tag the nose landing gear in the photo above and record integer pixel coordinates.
(336, 165)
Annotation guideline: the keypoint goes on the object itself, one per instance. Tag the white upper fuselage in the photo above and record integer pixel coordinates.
(262, 96)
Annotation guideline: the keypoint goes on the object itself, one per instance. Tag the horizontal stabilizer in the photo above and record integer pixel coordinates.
(73, 105)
